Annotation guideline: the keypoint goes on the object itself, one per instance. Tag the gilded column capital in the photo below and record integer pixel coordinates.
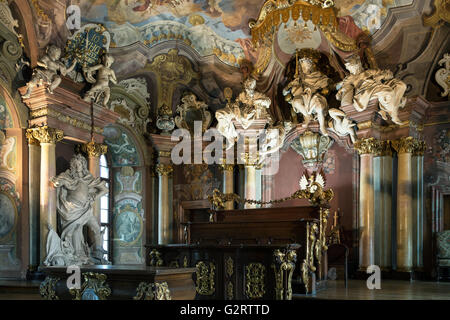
(384, 149)
(408, 145)
(32, 141)
(420, 148)
(46, 135)
(224, 166)
(250, 160)
(368, 146)
(94, 150)
(164, 169)
(164, 154)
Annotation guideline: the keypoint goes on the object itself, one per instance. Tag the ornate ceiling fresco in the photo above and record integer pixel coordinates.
(218, 27)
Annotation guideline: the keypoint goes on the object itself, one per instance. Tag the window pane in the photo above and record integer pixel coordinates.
(104, 216)
(104, 205)
(104, 172)
(103, 162)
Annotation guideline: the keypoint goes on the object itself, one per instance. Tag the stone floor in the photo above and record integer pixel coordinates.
(390, 290)
(357, 290)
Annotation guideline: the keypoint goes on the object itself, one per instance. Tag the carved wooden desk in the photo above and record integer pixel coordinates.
(250, 254)
(108, 282)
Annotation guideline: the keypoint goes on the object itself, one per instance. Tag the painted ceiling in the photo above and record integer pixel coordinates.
(217, 27)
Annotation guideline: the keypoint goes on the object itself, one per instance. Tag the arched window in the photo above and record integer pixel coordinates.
(105, 208)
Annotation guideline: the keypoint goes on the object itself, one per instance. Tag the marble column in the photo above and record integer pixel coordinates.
(94, 151)
(418, 205)
(48, 137)
(34, 169)
(366, 216)
(228, 183)
(267, 189)
(164, 217)
(250, 185)
(405, 253)
(383, 205)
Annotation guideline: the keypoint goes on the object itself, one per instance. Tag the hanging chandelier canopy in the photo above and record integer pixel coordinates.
(274, 12)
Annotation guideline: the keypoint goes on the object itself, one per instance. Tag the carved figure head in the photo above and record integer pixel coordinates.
(107, 60)
(250, 85)
(308, 58)
(354, 65)
(78, 166)
(54, 52)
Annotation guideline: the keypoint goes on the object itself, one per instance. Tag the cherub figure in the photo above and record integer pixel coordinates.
(47, 71)
(341, 124)
(101, 83)
(363, 85)
(304, 93)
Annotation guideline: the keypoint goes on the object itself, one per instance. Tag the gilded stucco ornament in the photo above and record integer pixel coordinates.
(100, 87)
(171, 70)
(153, 291)
(155, 259)
(409, 145)
(205, 276)
(189, 111)
(45, 134)
(47, 289)
(283, 266)
(94, 287)
(368, 146)
(47, 71)
(440, 15)
(94, 150)
(164, 169)
(361, 86)
(442, 76)
(305, 91)
(308, 263)
(255, 280)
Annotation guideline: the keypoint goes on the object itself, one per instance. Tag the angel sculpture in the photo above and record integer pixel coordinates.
(341, 125)
(362, 85)
(101, 84)
(47, 71)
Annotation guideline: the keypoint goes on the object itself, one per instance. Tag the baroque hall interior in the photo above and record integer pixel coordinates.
(224, 149)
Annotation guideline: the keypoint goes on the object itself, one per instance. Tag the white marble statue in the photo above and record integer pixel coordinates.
(341, 125)
(250, 105)
(76, 191)
(363, 85)
(101, 82)
(304, 93)
(47, 71)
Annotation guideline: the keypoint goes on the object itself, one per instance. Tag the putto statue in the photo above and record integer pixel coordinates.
(340, 124)
(101, 83)
(250, 105)
(363, 85)
(76, 191)
(47, 71)
(304, 93)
